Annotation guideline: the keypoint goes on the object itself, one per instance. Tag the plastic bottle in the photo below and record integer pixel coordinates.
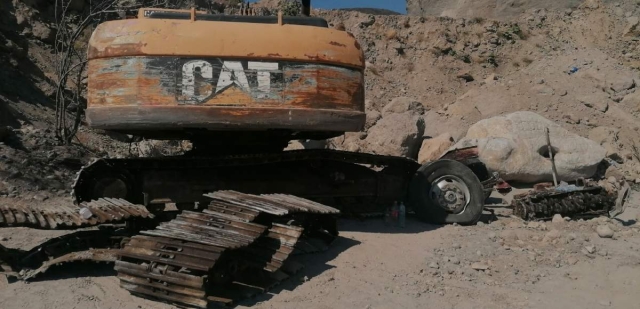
(402, 213)
(394, 212)
(387, 216)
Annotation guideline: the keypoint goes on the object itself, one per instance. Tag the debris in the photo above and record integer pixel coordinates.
(604, 231)
(564, 200)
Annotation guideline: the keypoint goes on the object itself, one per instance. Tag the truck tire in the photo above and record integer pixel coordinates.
(446, 191)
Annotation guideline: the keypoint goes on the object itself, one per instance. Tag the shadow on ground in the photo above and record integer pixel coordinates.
(314, 265)
(76, 270)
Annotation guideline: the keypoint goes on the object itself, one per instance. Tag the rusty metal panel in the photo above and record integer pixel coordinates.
(155, 81)
(158, 37)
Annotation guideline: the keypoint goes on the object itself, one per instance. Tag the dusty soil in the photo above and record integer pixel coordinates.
(372, 265)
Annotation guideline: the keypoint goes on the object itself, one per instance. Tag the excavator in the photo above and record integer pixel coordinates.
(220, 222)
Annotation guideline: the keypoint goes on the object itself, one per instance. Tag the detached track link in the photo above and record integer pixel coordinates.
(218, 256)
(104, 210)
(581, 203)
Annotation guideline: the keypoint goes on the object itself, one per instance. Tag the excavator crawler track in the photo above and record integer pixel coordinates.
(238, 246)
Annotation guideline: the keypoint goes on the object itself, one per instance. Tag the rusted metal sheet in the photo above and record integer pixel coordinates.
(155, 37)
(101, 211)
(462, 154)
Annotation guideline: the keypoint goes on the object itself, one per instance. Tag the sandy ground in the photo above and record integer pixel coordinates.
(373, 265)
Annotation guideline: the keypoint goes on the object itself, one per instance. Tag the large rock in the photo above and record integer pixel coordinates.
(515, 146)
(432, 149)
(395, 135)
(632, 102)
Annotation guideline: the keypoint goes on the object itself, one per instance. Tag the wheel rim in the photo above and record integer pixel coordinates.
(450, 193)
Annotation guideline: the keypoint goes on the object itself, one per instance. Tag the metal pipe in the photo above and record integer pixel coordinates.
(551, 156)
(306, 7)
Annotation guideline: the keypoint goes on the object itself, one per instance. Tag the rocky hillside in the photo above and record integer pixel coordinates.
(578, 68)
(493, 9)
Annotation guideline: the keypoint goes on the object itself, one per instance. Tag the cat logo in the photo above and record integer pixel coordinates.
(202, 80)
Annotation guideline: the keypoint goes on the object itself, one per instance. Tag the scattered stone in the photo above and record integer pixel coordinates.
(492, 236)
(454, 260)
(603, 252)
(466, 76)
(604, 231)
(434, 265)
(551, 235)
(4, 239)
(480, 223)
(572, 260)
(598, 102)
(590, 249)
(557, 218)
(479, 266)
(456, 246)
(605, 303)
(542, 90)
(633, 27)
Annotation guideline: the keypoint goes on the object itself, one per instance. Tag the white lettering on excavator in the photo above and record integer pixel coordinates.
(190, 72)
(199, 78)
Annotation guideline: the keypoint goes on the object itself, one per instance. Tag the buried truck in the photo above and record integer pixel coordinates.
(243, 205)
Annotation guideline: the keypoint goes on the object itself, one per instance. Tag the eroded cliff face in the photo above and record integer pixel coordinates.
(492, 9)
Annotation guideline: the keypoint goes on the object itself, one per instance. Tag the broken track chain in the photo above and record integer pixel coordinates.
(544, 204)
(232, 250)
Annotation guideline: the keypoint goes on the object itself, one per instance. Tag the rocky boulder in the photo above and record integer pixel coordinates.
(395, 135)
(432, 149)
(515, 146)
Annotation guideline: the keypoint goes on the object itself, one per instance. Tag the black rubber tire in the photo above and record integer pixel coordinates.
(427, 210)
